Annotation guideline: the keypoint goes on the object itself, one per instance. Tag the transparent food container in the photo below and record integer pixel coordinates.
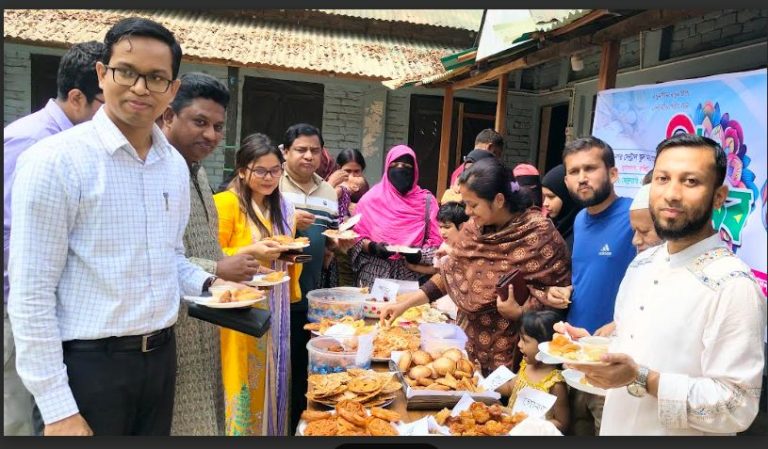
(335, 303)
(441, 336)
(337, 354)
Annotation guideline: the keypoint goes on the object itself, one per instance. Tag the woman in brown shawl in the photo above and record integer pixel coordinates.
(505, 232)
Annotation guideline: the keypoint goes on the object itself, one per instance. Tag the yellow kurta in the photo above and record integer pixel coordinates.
(244, 358)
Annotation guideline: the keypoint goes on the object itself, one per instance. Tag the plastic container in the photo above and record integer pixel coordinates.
(337, 354)
(372, 308)
(335, 304)
(440, 336)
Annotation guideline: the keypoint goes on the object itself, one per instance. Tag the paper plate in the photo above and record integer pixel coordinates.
(573, 378)
(402, 249)
(258, 281)
(544, 347)
(212, 303)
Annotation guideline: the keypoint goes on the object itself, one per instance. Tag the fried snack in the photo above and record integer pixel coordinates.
(367, 387)
(422, 314)
(353, 412)
(379, 427)
(562, 346)
(387, 415)
(480, 419)
(395, 339)
(322, 326)
(314, 415)
(322, 428)
(275, 276)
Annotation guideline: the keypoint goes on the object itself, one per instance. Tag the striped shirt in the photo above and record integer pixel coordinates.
(96, 251)
(321, 201)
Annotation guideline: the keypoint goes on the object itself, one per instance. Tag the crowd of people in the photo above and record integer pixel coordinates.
(110, 218)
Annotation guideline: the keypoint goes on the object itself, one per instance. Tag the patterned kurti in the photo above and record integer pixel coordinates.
(199, 403)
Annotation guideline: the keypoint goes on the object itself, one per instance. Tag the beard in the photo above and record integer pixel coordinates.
(696, 220)
(601, 194)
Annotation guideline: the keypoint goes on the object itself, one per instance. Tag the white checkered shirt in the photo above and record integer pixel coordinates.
(96, 249)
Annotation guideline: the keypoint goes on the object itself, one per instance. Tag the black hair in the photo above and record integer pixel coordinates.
(586, 144)
(539, 324)
(77, 70)
(693, 140)
(488, 177)
(490, 136)
(252, 148)
(199, 85)
(350, 155)
(648, 177)
(452, 212)
(137, 26)
(300, 129)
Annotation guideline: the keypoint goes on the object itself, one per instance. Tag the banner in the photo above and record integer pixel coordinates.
(729, 108)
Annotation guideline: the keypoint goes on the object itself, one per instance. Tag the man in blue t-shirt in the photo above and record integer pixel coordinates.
(602, 248)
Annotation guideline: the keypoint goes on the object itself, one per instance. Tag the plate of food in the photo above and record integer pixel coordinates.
(351, 327)
(395, 338)
(288, 242)
(577, 380)
(565, 350)
(480, 420)
(402, 249)
(227, 297)
(349, 418)
(369, 388)
(269, 279)
(341, 235)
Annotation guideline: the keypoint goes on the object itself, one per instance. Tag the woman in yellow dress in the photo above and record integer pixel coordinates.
(256, 372)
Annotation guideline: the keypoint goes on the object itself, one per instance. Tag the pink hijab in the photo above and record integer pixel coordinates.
(395, 219)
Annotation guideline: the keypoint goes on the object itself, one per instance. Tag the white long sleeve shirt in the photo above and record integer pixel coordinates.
(698, 318)
(96, 250)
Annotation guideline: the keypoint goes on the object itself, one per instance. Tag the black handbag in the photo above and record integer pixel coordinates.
(248, 320)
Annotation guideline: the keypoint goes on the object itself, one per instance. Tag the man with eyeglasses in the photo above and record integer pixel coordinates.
(78, 98)
(194, 125)
(316, 200)
(97, 258)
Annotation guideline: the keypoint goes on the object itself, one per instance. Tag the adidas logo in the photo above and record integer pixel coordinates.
(605, 250)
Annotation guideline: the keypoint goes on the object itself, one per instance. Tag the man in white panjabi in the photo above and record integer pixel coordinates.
(689, 315)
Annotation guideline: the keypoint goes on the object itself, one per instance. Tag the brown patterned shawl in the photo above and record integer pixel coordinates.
(530, 243)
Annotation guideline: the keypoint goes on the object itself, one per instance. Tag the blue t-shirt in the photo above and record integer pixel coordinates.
(602, 251)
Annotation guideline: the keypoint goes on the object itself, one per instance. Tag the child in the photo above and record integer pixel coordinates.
(535, 327)
(451, 217)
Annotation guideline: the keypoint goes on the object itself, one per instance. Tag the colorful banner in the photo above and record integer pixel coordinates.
(729, 108)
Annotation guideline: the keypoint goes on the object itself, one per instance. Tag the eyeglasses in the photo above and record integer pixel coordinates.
(303, 150)
(128, 78)
(261, 172)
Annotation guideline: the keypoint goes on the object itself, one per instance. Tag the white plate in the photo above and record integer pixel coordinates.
(208, 301)
(349, 235)
(351, 222)
(402, 249)
(544, 347)
(294, 245)
(258, 281)
(573, 378)
(545, 359)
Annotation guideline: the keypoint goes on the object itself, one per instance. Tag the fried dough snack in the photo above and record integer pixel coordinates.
(480, 419)
(350, 419)
(395, 339)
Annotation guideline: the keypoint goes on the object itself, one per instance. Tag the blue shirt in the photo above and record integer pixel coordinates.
(96, 250)
(602, 251)
(17, 138)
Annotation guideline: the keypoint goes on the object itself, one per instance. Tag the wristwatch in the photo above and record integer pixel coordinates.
(639, 387)
(208, 282)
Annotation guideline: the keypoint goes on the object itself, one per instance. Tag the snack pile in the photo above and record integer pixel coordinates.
(445, 371)
(359, 326)
(395, 339)
(275, 276)
(288, 240)
(562, 346)
(421, 314)
(367, 387)
(240, 294)
(350, 419)
(480, 420)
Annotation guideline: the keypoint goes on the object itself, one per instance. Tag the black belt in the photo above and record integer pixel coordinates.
(143, 343)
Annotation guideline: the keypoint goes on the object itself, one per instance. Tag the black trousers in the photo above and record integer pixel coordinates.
(122, 392)
(299, 364)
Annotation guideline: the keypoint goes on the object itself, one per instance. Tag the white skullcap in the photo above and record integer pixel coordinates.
(641, 198)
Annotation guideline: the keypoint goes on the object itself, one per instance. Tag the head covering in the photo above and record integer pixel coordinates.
(328, 165)
(476, 155)
(554, 180)
(527, 176)
(642, 198)
(398, 219)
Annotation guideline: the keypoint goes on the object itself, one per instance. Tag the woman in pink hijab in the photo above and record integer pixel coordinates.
(396, 211)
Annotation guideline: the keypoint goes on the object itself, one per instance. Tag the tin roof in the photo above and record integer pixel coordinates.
(243, 42)
(465, 19)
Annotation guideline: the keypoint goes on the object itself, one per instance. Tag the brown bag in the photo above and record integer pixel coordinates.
(519, 286)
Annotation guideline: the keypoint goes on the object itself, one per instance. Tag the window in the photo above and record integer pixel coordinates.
(43, 79)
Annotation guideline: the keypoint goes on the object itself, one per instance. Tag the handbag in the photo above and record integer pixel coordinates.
(519, 286)
(248, 320)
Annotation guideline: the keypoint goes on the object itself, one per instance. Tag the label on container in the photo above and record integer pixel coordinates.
(497, 378)
(384, 289)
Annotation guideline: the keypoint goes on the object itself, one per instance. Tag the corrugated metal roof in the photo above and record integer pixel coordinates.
(243, 42)
(465, 19)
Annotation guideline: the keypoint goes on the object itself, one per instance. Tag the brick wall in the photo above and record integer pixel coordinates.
(342, 116)
(718, 29)
(398, 112)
